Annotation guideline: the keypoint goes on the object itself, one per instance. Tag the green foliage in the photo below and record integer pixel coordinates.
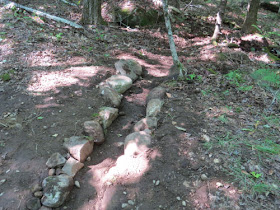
(267, 77)
(99, 35)
(94, 115)
(235, 77)
(193, 77)
(256, 175)
(59, 36)
(5, 77)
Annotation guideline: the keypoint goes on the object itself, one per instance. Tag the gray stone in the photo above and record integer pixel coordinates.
(45, 208)
(51, 172)
(137, 143)
(94, 130)
(129, 67)
(56, 190)
(72, 166)
(111, 96)
(146, 123)
(38, 194)
(78, 147)
(108, 115)
(154, 107)
(33, 204)
(203, 177)
(120, 83)
(56, 160)
(156, 93)
(131, 202)
(36, 187)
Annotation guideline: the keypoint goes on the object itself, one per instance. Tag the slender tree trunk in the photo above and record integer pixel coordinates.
(92, 12)
(219, 20)
(251, 17)
(178, 65)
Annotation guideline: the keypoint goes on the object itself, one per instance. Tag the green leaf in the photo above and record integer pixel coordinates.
(40, 118)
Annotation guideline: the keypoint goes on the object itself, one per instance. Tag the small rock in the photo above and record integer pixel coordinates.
(33, 204)
(108, 115)
(52, 172)
(130, 202)
(124, 192)
(124, 205)
(129, 67)
(111, 96)
(2, 181)
(154, 107)
(203, 177)
(156, 93)
(94, 130)
(56, 190)
(219, 184)
(120, 83)
(45, 208)
(178, 198)
(137, 143)
(184, 203)
(72, 166)
(56, 160)
(78, 147)
(146, 123)
(205, 138)
(157, 182)
(36, 187)
(217, 161)
(38, 194)
(77, 184)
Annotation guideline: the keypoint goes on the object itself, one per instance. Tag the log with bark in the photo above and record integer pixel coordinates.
(10, 4)
(270, 7)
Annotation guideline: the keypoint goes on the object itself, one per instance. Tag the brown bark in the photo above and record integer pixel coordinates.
(251, 17)
(92, 12)
(219, 20)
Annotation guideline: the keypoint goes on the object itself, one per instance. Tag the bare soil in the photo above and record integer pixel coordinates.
(55, 71)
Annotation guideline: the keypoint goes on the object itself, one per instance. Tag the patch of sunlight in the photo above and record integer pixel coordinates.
(44, 81)
(107, 175)
(208, 53)
(37, 19)
(156, 70)
(205, 194)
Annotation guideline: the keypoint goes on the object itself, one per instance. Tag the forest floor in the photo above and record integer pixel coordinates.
(217, 144)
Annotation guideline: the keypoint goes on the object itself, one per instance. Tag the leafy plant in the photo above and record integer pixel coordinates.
(59, 36)
(256, 175)
(94, 115)
(267, 77)
(5, 77)
(235, 77)
(193, 77)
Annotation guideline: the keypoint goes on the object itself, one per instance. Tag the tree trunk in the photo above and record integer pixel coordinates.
(92, 12)
(251, 17)
(176, 63)
(219, 20)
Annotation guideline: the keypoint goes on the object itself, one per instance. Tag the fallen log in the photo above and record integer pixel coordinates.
(270, 7)
(10, 4)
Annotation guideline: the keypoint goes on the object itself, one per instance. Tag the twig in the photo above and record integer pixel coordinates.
(66, 2)
(274, 98)
(10, 4)
(3, 125)
(187, 5)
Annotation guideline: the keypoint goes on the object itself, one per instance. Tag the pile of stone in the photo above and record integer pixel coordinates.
(62, 170)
